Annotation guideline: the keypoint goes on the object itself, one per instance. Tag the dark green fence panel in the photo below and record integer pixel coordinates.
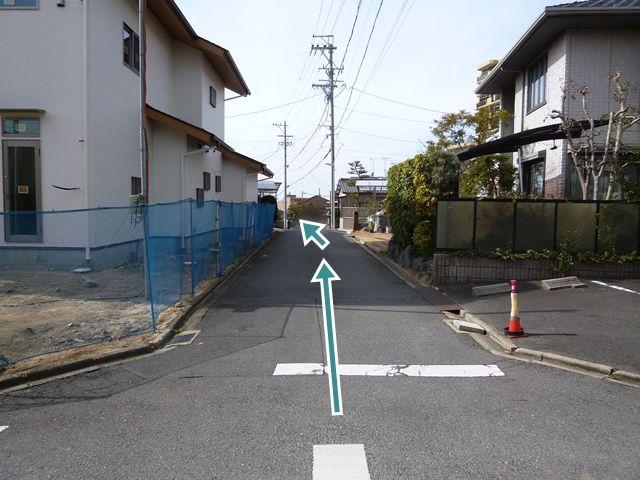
(576, 225)
(535, 225)
(521, 225)
(455, 224)
(618, 227)
(494, 225)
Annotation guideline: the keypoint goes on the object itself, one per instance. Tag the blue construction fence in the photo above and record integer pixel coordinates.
(190, 241)
(78, 277)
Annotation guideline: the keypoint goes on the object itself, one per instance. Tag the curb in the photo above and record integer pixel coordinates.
(554, 359)
(511, 349)
(154, 344)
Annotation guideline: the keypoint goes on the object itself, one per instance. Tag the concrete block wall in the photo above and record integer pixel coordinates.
(448, 269)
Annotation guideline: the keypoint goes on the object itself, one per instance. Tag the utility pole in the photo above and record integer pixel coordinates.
(285, 143)
(328, 88)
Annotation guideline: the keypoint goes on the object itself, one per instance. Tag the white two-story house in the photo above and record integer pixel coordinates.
(70, 106)
(580, 43)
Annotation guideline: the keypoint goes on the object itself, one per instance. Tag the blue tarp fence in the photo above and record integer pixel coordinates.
(190, 241)
(76, 277)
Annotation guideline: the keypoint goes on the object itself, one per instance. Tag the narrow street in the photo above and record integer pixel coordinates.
(215, 410)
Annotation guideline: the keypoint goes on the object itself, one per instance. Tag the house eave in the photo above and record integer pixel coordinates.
(511, 143)
(547, 27)
(206, 138)
(172, 19)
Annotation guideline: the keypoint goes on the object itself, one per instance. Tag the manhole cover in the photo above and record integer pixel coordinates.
(183, 338)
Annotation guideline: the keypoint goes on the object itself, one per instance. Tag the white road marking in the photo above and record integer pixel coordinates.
(338, 462)
(392, 370)
(615, 287)
(3, 428)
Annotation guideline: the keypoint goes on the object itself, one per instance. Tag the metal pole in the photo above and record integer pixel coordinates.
(285, 143)
(285, 220)
(333, 156)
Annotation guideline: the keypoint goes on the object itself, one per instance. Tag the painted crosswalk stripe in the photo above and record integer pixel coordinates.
(392, 370)
(337, 462)
(3, 428)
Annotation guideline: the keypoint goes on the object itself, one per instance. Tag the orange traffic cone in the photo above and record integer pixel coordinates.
(514, 330)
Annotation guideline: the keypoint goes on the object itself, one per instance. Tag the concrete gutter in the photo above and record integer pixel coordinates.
(500, 345)
(121, 349)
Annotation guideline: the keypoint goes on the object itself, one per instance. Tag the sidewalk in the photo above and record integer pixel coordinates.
(596, 323)
(597, 326)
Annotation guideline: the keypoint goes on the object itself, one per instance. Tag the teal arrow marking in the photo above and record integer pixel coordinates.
(311, 232)
(325, 275)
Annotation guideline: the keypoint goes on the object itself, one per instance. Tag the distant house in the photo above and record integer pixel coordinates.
(70, 102)
(580, 42)
(360, 192)
(268, 187)
(357, 198)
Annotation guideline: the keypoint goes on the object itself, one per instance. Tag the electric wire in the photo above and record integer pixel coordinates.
(273, 108)
(393, 33)
(379, 136)
(397, 102)
(353, 27)
(364, 55)
(383, 116)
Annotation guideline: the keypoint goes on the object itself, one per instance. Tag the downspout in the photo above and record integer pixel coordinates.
(144, 160)
(85, 121)
(522, 114)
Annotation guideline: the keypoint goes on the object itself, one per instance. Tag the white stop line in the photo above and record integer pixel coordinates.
(336, 462)
(3, 428)
(392, 370)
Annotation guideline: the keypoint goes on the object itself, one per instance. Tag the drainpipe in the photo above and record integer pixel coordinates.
(182, 189)
(142, 35)
(85, 121)
(520, 185)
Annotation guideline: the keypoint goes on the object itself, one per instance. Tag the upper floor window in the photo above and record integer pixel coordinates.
(213, 97)
(537, 83)
(130, 48)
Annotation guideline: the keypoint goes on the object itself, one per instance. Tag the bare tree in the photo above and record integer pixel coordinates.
(593, 159)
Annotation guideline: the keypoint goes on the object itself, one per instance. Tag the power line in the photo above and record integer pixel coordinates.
(397, 102)
(353, 27)
(272, 108)
(378, 136)
(384, 116)
(314, 167)
(395, 29)
(364, 55)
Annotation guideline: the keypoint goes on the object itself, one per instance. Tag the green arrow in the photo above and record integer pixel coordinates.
(325, 275)
(311, 232)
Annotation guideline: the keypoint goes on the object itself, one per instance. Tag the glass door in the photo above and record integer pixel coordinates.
(21, 172)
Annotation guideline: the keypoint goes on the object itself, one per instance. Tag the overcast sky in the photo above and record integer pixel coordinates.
(423, 53)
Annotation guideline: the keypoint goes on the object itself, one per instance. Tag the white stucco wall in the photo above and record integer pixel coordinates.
(113, 105)
(159, 66)
(236, 183)
(41, 67)
(187, 84)
(212, 118)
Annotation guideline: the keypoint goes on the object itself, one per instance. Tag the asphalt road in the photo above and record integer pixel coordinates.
(214, 410)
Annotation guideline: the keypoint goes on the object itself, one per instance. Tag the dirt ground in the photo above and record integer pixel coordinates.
(49, 310)
(377, 241)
